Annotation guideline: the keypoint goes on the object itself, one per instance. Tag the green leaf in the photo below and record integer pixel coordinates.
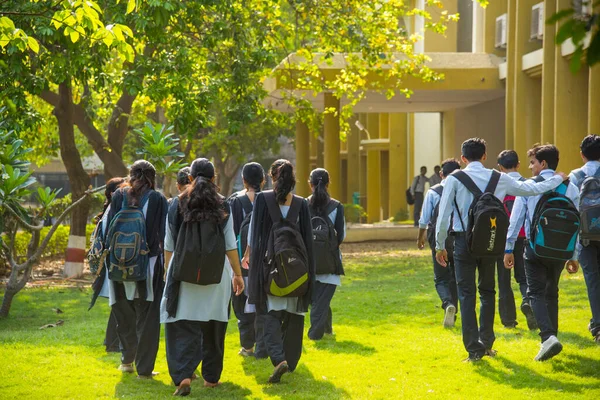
(33, 44)
(575, 64)
(565, 31)
(74, 35)
(130, 6)
(560, 15)
(593, 52)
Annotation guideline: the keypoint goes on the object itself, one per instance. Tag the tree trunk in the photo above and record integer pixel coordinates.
(9, 295)
(78, 179)
(226, 171)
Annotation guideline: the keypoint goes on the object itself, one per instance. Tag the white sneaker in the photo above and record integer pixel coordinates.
(550, 348)
(449, 316)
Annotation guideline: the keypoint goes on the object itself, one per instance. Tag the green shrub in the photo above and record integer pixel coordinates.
(354, 213)
(57, 245)
(60, 205)
(401, 215)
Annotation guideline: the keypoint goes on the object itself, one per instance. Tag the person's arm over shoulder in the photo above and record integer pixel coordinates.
(529, 187)
(445, 210)
(517, 219)
(573, 194)
(427, 210)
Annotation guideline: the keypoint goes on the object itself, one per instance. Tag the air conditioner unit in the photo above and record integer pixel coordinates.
(501, 35)
(537, 22)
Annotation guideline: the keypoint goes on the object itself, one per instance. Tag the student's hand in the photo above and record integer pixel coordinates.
(420, 243)
(563, 176)
(572, 266)
(509, 261)
(246, 262)
(238, 284)
(441, 257)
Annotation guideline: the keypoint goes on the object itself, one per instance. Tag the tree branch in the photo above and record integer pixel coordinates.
(22, 222)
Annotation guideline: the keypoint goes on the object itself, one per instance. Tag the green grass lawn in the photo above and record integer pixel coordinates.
(389, 344)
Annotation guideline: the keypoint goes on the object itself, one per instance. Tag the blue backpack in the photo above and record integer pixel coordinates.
(589, 205)
(555, 225)
(96, 254)
(127, 248)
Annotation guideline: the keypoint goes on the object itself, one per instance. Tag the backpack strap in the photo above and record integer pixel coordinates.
(272, 206)
(246, 204)
(493, 183)
(294, 211)
(439, 189)
(333, 205)
(467, 182)
(580, 175)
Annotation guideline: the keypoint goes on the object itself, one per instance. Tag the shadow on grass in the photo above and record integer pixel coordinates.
(522, 377)
(301, 380)
(332, 345)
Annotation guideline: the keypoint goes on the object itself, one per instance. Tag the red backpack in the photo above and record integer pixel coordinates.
(509, 202)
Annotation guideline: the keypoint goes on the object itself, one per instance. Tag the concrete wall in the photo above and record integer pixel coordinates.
(484, 120)
(428, 150)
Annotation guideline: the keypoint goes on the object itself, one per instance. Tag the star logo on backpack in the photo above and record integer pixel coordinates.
(493, 222)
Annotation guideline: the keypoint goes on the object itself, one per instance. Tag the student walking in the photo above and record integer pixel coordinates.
(242, 203)
(282, 267)
(97, 266)
(551, 225)
(329, 231)
(444, 277)
(418, 189)
(200, 250)
(478, 242)
(508, 162)
(436, 178)
(136, 272)
(589, 206)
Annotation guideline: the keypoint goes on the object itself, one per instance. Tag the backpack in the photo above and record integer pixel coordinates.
(127, 247)
(449, 245)
(325, 240)
(286, 259)
(509, 202)
(487, 220)
(555, 225)
(410, 199)
(589, 205)
(96, 253)
(242, 237)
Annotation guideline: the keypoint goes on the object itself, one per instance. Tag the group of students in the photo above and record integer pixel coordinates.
(481, 223)
(181, 262)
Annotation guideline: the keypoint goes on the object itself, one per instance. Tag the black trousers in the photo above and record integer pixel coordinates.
(445, 281)
(250, 327)
(476, 339)
(320, 311)
(190, 342)
(506, 297)
(138, 328)
(419, 197)
(283, 337)
(542, 282)
(590, 265)
(111, 339)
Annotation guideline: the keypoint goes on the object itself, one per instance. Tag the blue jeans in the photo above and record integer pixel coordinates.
(590, 265)
(475, 338)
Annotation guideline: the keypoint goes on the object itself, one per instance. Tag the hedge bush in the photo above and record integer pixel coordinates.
(354, 213)
(57, 245)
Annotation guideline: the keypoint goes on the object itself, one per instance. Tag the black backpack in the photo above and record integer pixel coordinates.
(410, 199)
(487, 220)
(555, 225)
(449, 245)
(286, 259)
(589, 205)
(325, 240)
(199, 250)
(242, 237)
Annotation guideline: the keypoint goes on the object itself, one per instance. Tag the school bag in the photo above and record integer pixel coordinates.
(487, 220)
(242, 237)
(449, 245)
(325, 240)
(96, 253)
(410, 199)
(555, 225)
(589, 205)
(509, 203)
(127, 252)
(286, 259)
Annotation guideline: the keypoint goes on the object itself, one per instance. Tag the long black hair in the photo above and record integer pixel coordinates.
(319, 179)
(142, 177)
(201, 200)
(254, 175)
(284, 180)
(111, 187)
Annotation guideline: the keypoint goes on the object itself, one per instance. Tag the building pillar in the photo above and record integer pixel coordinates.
(510, 73)
(570, 106)
(373, 173)
(353, 160)
(548, 68)
(449, 135)
(331, 133)
(302, 159)
(362, 176)
(594, 101)
(398, 162)
(384, 133)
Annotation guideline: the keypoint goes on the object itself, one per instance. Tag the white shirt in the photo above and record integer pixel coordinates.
(456, 193)
(524, 208)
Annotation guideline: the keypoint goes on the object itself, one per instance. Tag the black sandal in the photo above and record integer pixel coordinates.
(184, 388)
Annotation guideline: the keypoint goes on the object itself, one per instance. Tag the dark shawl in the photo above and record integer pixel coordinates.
(261, 228)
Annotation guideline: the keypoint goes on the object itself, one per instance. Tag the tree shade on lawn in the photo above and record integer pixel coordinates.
(389, 343)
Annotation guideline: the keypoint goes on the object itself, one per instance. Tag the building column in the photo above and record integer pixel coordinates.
(384, 133)
(548, 68)
(331, 133)
(594, 101)
(373, 173)
(510, 73)
(570, 106)
(302, 159)
(449, 135)
(353, 161)
(362, 176)
(398, 161)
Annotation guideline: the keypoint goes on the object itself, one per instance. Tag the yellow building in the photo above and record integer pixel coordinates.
(505, 81)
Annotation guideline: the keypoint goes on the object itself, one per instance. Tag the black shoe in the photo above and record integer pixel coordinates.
(472, 359)
(281, 369)
(491, 352)
(511, 325)
(528, 311)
